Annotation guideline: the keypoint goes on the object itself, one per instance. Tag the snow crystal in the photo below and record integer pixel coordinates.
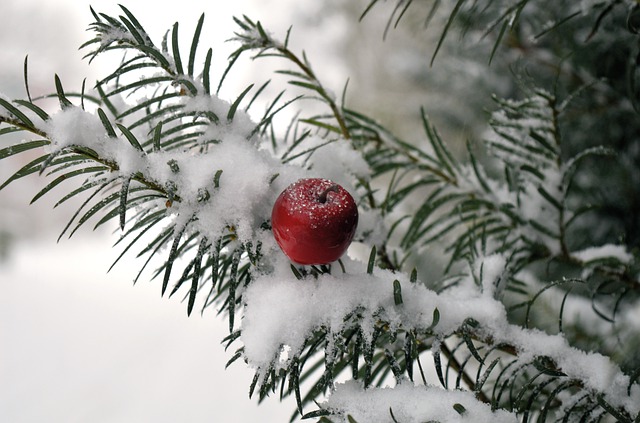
(410, 403)
(114, 34)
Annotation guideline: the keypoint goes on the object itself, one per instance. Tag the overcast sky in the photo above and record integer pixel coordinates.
(76, 344)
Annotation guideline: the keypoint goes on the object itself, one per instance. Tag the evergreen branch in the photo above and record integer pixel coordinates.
(254, 37)
(74, 150)
(498, 340)
(17, 123)
(497, 233)
(452, 17)
(468, 380)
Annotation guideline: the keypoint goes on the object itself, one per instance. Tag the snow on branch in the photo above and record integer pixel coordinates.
(604, 252)
(409, 403)
(283, 312)
(230, 166)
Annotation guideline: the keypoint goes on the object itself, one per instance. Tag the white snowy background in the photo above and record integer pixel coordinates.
(78, 344)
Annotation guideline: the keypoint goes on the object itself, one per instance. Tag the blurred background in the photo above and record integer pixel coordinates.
(80, 345)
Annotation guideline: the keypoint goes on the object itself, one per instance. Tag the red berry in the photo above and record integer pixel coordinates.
(314, 221)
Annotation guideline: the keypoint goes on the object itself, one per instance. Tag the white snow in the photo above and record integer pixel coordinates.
(117, 34)
(244, 196)
(74, 126)
(282, 310)
(608, 251)
(490, 269)
(4, 111)
(410, 403)
(596, 371)
(241, 125)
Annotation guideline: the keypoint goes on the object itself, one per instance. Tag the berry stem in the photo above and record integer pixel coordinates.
(322, 198)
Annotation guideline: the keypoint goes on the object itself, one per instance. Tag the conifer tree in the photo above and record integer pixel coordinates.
(510, 271)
